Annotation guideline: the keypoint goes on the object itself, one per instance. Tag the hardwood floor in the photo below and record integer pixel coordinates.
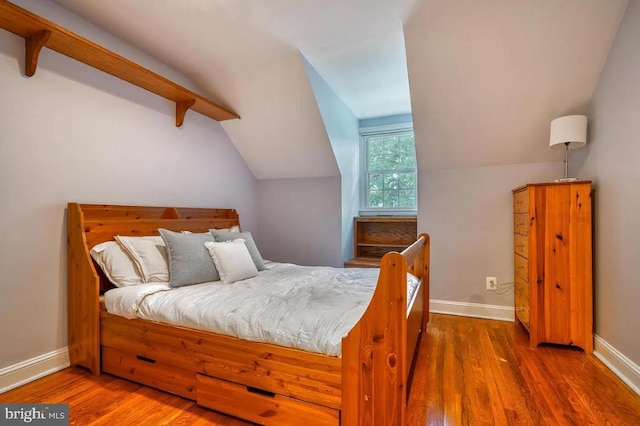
(483, 372)
(468, 372)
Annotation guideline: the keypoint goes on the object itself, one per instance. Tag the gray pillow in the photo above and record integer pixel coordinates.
(189, 260)
(221, 236)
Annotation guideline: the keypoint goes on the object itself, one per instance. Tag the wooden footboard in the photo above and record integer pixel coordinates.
(375, 358)
(263, 383)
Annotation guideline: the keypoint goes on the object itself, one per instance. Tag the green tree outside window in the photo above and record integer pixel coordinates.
(390, 170)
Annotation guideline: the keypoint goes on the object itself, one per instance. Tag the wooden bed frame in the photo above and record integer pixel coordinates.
(263, 383)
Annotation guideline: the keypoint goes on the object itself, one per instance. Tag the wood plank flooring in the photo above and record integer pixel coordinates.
(468, 372)
(483, 372)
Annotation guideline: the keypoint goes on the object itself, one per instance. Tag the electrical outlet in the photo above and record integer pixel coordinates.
(492, 283)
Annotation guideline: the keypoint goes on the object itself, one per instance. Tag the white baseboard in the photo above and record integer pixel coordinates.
(475, 310)
(32, 369)
(623, 367)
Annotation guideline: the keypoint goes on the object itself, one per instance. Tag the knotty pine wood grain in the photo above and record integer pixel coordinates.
(559, 251)
(468, 372)
(375, 354)
(309, 376)
(262, 409)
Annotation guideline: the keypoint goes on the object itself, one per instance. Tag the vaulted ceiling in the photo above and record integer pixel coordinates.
(484, 79)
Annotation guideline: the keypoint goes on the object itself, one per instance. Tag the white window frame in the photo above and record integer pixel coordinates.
(372, 211)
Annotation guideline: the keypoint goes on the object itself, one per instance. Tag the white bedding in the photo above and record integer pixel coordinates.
(309, 308)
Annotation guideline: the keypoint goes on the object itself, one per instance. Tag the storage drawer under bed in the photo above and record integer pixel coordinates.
(264, 408)
(149, 372)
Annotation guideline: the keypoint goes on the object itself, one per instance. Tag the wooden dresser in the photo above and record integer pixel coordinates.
(552, 262)
(375, 236)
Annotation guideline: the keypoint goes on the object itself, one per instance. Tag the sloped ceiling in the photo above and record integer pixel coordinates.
(486, 77)
(246, 54)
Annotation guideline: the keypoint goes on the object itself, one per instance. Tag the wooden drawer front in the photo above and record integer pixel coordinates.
(522, 312)
(521, 245)
(261, 407)
(521, 223)
(521, 201)
(522, 304)
(522, 290)
(521, 267)
(149, 372)
(298, 374)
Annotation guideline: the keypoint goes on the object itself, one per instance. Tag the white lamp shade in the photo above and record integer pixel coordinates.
(571, 129)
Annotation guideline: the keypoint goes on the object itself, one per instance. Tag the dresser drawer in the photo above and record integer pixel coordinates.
(521, 300)
(521, 267)
(521, 223)
(522, 311)
(149, 372)
(521, 201)
(521, 245)
(261, 407)
(522, 290)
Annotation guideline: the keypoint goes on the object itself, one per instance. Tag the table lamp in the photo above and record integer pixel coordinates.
(571, 132)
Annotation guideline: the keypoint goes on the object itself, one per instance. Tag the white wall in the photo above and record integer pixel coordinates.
(487, 77)
(72, 133)
(611, 160)
(299, 221)
(280, 134)
(343, 131)
(469, 216)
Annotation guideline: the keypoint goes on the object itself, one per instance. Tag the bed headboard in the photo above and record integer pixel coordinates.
(100, 223)
(91, 224)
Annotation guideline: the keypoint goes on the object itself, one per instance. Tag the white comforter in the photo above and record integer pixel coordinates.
(309, 308)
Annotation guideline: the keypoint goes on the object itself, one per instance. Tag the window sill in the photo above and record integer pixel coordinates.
(389, 212)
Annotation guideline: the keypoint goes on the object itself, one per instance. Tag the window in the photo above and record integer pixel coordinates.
(389, 171)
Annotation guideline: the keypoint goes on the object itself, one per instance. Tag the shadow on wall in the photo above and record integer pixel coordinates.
(49, 61)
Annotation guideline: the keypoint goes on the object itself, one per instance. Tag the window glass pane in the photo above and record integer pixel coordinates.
(390, 170)
(407, 198)
(375, 182)
(375, 199)
(407, 180)
(376, 154)
(406, 143)
(391, 153)
(390, 181)
(391, 198)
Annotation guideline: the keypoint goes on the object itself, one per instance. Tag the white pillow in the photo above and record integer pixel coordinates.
(149, 254)
(116, 264)
(232, 260)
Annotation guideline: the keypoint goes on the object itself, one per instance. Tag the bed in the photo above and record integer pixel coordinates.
(260, 382)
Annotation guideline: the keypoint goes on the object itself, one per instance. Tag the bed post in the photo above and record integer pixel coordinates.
(426, 271)
(83, 296)
(373, 353)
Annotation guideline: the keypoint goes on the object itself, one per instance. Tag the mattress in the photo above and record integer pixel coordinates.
(302, 307)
